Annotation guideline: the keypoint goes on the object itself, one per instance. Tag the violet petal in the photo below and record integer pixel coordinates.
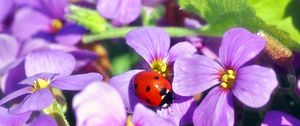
(151, 43)
(215, 110)
(194, 74)
(75, 82)
(238, 47)
(99, 104)
(34, 102)
(123, 83)
(254, 85)
(49, 61)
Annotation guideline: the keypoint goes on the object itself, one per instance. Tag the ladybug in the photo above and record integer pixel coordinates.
(153, 89)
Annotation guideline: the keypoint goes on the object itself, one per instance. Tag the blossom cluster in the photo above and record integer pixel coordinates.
(48, 74)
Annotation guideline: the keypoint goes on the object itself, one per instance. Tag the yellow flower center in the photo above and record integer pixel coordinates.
(40, 84)
(56, 25)
(129, 122)
(227, 79)
(159, 66)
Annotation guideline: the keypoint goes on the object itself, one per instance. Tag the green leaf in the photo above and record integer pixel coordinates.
(88, 18)
(284, 14)
(224, 14)
(151, 15)
(124, 62)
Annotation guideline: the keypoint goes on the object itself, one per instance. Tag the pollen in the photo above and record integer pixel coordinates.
(56, 25)
(129, 121)
(40, 84)
(159, 66)
(227, 79)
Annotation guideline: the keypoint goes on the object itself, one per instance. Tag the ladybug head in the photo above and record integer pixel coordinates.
(167, 98)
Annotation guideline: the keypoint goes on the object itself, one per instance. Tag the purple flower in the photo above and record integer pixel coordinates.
(153, 44)
(12, 55)
(9, 119)
(99, 104)
(6, 7)
(9, 48)
(47, 69)
(48, 22)
(277, 118)
(120, 11)
(252, 85)
(43, 120)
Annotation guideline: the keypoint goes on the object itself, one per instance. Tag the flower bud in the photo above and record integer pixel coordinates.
(279, 53)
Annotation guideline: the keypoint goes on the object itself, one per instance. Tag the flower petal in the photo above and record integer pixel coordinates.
(277, 118)
(6, 6)
(9, 82)
(11, 65)
(143, 116)
(10, 119)
(49, 61)
(75, 82)
(56, 8)
(15, 94)
(194, 74)
(151, 43)
(181, 49)
(120, 11)
(99, 104)
(254, 85)
(41, 23)
(180, 111)
(34, 102)
(70, 34)
(239, 46)
(32, 79)
(43, 120)
(123, 83)
(34, 44)
(215, 110)
(8, 51)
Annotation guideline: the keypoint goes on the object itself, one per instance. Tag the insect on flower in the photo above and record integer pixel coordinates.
(153, 87)
(252, 85)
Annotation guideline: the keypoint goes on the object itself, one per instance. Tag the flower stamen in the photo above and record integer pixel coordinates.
(56, 25)
(40, 84)
(159, 66)
(227, 79)
(129, 121)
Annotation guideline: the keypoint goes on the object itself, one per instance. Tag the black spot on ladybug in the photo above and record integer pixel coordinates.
(147, 88)
(148, 100)
(156, 77)
(135, 86)
(163, 91)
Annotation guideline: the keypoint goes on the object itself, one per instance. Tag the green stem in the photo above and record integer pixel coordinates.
(57, 113)
(58, 108)
(121, 32)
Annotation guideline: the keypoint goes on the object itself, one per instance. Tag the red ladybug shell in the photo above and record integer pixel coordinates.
(150, 87)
